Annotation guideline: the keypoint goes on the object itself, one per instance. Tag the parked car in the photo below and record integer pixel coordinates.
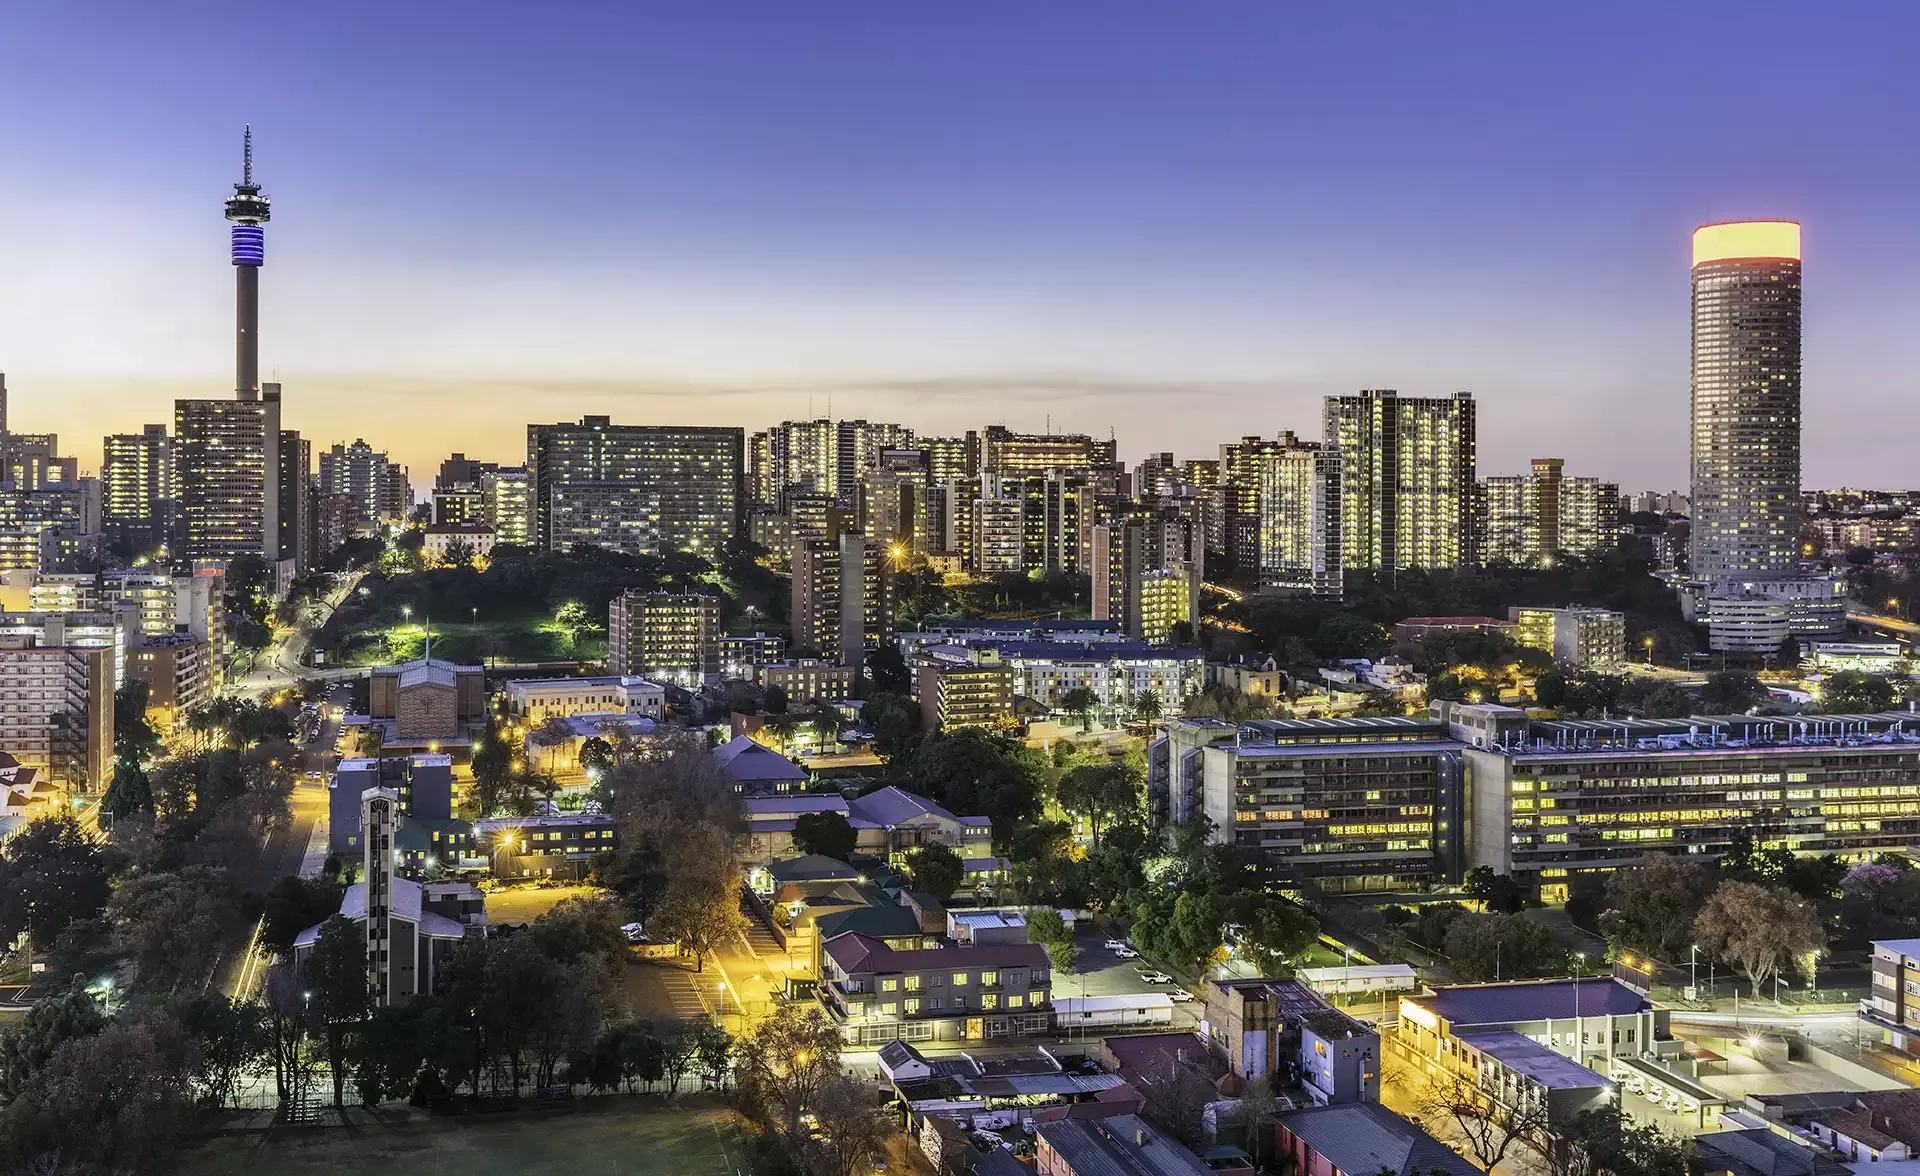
(1126, 953)
(1156, 977)
(1180, 996)
(1116, 945)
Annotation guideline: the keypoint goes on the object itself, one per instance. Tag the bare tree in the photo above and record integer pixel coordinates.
(854, 1128)
(1489, 1128)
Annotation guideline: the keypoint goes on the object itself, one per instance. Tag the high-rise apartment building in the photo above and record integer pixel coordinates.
(220, 454)
(507, 505)
(1589, 638)
(1746, 399)
(366, 477)
(1008, 453)
(803, 457)
(642, 489)
(136, 488)
(949, 459)
(664, 636)
(1057, 517)
(857, 449)
(1284, 477)
(841, 603)
(999, 527)
(58, 712)
(893, 504)
(1526, 520)
(763, 477)
(1140, 581)
(1407, 479)
(294, 513)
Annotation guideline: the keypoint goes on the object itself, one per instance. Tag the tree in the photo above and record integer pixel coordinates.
(783, 1061)
(1502, 947)
(134, 739)
(1732, 692)
(886, 669)
(293, 905)
(26, 1048)
(1851, 692)
(1148, 706)
(775, 701)
(1496, 892)
(571, 618)
(1606, 1142)
(826, 833)
(699, 912)
(1277, 931)
(492, 768)
(1489, 1128)
(1093, 791)
(112, 1101)
(172, 924)
(893, 720)
(1045, 925)
(1181, 931)
(1652, 904)
(1667, 701)
(1758, 929)
(1080, 702)
(973, 770)
(1063, 955)
(853, 1129)
(230, 1037)
(937, 870)
(596, 755)
(54, 874)
(336, 977)
(129, 795)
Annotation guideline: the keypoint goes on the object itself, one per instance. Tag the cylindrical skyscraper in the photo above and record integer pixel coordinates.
(1746, 400)
(248, 210)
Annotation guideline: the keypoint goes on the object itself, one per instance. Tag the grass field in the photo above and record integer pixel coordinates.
(685, 1140)
(530, 638)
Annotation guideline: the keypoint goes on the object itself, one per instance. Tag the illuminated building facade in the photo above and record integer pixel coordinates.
(136, 488)
(668, 637)
(1525, 520)
(841, 598)
(1746, 399)
(220, 449)
(1407, 479)
(643, 489)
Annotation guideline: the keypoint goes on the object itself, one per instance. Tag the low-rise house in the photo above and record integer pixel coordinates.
(886, 822)
(757, 769)
(1761, 1152)
(1874, 1128)
(556, 741)
(1362, 1139)
(878, 993)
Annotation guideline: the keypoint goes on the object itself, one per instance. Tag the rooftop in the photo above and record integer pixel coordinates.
(603, 682)
(1366, 1138)
(861, 953)
(812, 867)
(1125, 1145)
(1759, 1152)
(1524, 1055)
(745, 760)
(1518, 1001)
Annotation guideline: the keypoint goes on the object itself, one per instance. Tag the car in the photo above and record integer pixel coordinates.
(1179, 995)
(1126, 953)
(1116, 944)
(1156, 978)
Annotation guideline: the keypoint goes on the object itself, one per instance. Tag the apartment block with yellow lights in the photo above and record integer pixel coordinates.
(667, 636)
(1892, 1009)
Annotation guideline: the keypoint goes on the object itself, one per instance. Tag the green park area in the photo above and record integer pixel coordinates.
(686, 1140)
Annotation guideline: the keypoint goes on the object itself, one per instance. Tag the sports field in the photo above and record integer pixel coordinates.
(693, 1140)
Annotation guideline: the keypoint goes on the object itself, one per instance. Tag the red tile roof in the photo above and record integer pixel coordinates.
(854, 952)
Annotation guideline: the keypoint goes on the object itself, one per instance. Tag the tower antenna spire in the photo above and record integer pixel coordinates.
(247, 157)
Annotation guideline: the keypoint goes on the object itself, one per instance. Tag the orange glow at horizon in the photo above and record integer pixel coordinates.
(1742, 239)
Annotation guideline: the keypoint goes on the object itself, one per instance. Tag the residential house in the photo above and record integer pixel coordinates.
(877, 993)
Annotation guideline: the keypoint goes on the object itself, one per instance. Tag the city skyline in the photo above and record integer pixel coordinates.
(1204, 228)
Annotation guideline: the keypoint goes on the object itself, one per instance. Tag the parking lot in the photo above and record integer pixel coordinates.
(1099, 972)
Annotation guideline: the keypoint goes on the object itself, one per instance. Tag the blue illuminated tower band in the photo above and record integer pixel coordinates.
(248, 209)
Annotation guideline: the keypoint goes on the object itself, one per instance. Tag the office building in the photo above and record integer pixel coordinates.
(640, 489)
(537, 699)
(136, 488)
(667, 637)
(842, 602)
(876, 993)
(1407, 479)
(1527, 520)
(558, 846)
(954, 695)
(56, 705)
(507, 505)
(1586, 638)
(1746, 399)
(411, 929)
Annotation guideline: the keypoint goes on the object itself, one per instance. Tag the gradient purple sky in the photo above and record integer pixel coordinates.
(1181, 222)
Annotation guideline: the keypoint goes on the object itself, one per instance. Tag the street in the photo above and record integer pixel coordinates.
(281, 664)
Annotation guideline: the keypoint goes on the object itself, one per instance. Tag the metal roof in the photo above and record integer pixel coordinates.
(1367, 1138)
(1524, 1055)
(1521, 1001)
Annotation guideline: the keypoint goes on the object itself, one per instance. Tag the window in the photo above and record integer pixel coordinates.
(889, 1008)
(959, 979)
(889, 985)
(913, 1005)
(990, 1000)
(989, 978)
(1016, 1001)
(913, 984)
(1037, 997)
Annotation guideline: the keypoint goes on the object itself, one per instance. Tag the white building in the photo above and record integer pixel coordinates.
(1117, 672)
(535, 699)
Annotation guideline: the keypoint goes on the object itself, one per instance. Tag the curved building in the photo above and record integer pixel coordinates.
(1746, 399)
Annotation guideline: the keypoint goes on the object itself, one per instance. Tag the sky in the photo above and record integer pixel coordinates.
(1178, 223)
